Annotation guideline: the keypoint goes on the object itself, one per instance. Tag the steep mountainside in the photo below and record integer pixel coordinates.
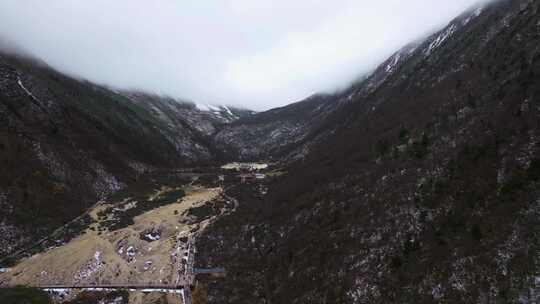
(288, 133)
(66, 143)
(418, 184)
(426, 192)
(275, 133)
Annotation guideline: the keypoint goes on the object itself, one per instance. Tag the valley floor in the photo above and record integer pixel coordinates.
(144, 242)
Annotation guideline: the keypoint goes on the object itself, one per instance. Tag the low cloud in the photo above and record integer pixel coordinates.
(258, 54)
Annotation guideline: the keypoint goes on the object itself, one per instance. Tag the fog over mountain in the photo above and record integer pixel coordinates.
(414, 180)
(257, 54)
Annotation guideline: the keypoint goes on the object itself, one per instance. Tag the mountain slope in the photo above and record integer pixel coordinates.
(418, 184)
(425, 190)
(274, 133)
(66, 143)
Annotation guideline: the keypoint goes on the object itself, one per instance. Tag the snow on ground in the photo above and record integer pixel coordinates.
(90, 268)
(57, 291)
(20, 83)
(390, 67)
(152, 237)
(131, 251)
(441, 39)
(222, 111)
(183, 295)
(443, 36)
(207, 107)
(477, 12)
(126, 207)
(202, 107)
(228, 111)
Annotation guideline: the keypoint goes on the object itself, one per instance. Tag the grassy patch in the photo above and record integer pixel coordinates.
(124, 218)
(205, 211)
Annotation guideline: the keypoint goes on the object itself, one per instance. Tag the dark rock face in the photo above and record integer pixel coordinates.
(425, 190)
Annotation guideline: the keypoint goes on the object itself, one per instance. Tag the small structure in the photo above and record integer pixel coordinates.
(257, 166)
(246, 177)
(208, 274)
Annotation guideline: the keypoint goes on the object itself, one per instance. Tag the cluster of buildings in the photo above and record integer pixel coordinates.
(248, 171)
(245, 166)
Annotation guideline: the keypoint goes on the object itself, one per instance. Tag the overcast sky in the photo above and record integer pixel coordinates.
(255, 53)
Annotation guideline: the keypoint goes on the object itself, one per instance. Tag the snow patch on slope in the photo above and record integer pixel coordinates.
(207, 107)
(21, 85)
(390, 67)
(441, 38)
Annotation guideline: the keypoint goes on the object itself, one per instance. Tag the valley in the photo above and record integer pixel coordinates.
(142, 241)
(417, 183)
